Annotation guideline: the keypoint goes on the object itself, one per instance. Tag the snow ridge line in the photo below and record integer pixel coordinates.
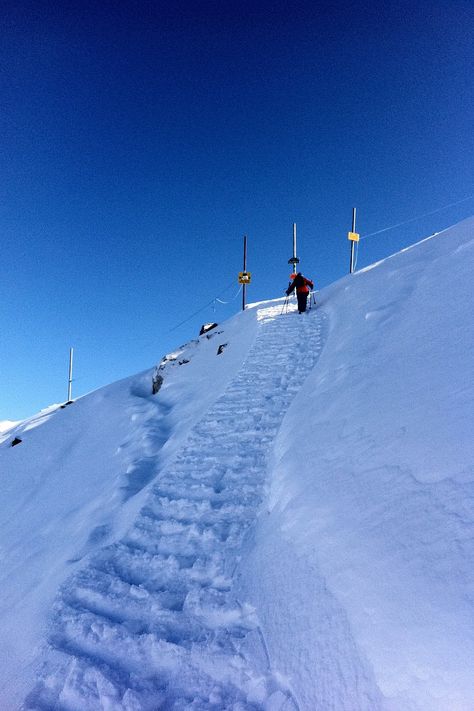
(151, 622)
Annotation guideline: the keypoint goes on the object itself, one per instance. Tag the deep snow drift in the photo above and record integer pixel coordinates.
(286, 525)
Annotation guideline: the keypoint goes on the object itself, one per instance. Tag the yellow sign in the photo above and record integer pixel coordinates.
(245, 277)
(353, 236)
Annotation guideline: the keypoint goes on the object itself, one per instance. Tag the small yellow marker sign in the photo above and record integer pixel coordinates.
(353, 236)
(245, 277)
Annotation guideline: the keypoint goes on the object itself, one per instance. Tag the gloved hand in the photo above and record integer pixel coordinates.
(287, 292)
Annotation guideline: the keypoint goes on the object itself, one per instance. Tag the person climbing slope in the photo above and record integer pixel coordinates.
(302, 286)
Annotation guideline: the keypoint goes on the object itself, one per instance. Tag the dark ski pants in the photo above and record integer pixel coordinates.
(302, 300)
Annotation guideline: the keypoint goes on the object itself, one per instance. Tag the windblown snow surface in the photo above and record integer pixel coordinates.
(286, 525)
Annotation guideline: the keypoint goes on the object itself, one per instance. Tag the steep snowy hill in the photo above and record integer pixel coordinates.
(6, 425)
(287, 524)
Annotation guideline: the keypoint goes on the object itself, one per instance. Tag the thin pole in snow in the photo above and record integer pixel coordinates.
(244, 285)
(69, 387)
(352, 241)
(294, 259)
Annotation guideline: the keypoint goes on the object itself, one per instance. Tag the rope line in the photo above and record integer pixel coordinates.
(413, 219)
(209, 303)
(232, 299)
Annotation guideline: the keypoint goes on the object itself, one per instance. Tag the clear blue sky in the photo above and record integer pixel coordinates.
(141, 140)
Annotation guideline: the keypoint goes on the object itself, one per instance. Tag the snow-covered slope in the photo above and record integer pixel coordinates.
(286, 525)
(6, 425)
(371, 509)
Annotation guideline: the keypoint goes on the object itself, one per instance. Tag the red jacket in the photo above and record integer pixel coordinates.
(301, 284)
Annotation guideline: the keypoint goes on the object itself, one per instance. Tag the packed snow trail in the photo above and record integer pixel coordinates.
(151, 622)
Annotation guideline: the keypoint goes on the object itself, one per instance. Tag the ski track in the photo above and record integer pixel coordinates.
(151, 622)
